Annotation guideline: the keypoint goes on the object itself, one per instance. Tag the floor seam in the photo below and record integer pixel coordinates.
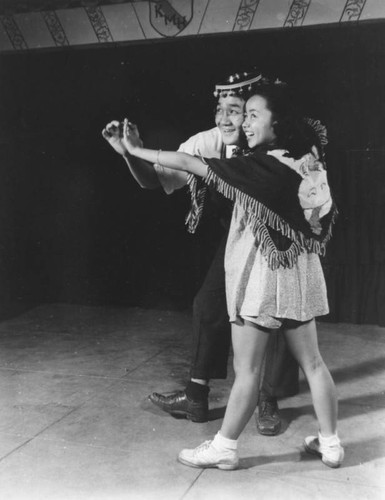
(191, 485)
(38, 434)
(74, 409)
(128, 372)
(25, 370)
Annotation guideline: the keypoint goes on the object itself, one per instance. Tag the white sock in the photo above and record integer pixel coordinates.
(328, 440)
(222, 443)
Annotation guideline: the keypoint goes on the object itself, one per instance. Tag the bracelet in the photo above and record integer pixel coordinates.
(157, 157)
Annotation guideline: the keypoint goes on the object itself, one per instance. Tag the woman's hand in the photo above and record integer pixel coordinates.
(131, 138)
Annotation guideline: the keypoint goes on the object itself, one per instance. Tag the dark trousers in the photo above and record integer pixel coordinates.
(212, 337)
(280, 378)
(211, 326)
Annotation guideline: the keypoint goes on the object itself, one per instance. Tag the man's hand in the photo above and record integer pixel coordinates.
(131, 139)
(125, 139)
(113, 135)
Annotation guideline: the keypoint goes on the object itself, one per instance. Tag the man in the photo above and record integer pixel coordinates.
(211, 327)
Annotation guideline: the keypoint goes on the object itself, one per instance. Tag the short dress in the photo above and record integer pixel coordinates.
(259, 294)
(266, 296)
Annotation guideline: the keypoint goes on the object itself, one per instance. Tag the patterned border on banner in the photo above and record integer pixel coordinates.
(353, 10)
(297, 13)
(245, 15)
(99, 23)
(14, 34)
(55, 28)
(9, 7)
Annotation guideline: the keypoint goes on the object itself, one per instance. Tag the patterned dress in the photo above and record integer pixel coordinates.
(258, 290)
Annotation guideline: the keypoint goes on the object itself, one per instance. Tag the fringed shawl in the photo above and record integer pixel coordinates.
(198, 194)
(268, 191)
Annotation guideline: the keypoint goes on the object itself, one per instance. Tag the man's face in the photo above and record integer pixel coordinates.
(229, 118)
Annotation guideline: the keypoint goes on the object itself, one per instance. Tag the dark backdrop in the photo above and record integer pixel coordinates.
(75, 227)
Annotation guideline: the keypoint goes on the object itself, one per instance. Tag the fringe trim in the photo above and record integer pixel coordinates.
(197, 203)
(275, 258)
(260, 215)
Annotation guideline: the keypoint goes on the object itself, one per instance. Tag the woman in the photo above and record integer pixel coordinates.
(281, 222)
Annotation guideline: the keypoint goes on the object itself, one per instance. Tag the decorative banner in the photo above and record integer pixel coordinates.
(353, 10)
(76, 22)
(245, 15)
(99, 23)
(170, 17)
(297, 13)
(14, 34)
(55, 28)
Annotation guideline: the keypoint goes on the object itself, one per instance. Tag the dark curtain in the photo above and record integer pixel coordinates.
(74, 225)
(355, 261)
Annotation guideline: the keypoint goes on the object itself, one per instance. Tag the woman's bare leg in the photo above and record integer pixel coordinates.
(303, 342)
(249, 345)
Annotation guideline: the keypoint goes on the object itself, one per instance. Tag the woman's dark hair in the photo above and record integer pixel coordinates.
(292, 130)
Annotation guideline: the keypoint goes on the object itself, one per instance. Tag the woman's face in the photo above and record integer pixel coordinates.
(258, 123)
(229, 118)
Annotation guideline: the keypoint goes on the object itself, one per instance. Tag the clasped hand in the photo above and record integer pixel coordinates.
(123, 137)
(131, 138)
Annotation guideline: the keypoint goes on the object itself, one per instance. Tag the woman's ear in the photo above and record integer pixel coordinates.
(315, 152)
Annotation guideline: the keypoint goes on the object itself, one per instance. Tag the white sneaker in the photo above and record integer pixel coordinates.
(206, 456)
(329, 449)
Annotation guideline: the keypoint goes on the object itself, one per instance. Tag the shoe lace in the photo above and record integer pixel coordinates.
(172, 395)
(268, 407)
(202, 447)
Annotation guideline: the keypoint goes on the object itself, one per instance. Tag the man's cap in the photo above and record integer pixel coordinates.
(242, 83)
(237, 84)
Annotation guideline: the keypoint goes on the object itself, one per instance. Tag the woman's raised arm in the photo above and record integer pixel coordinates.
(169, 159)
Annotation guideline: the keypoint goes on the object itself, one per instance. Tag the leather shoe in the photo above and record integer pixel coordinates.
(268, 420)
(180, 406)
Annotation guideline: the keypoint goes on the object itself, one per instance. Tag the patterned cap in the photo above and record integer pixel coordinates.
(237, 84)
